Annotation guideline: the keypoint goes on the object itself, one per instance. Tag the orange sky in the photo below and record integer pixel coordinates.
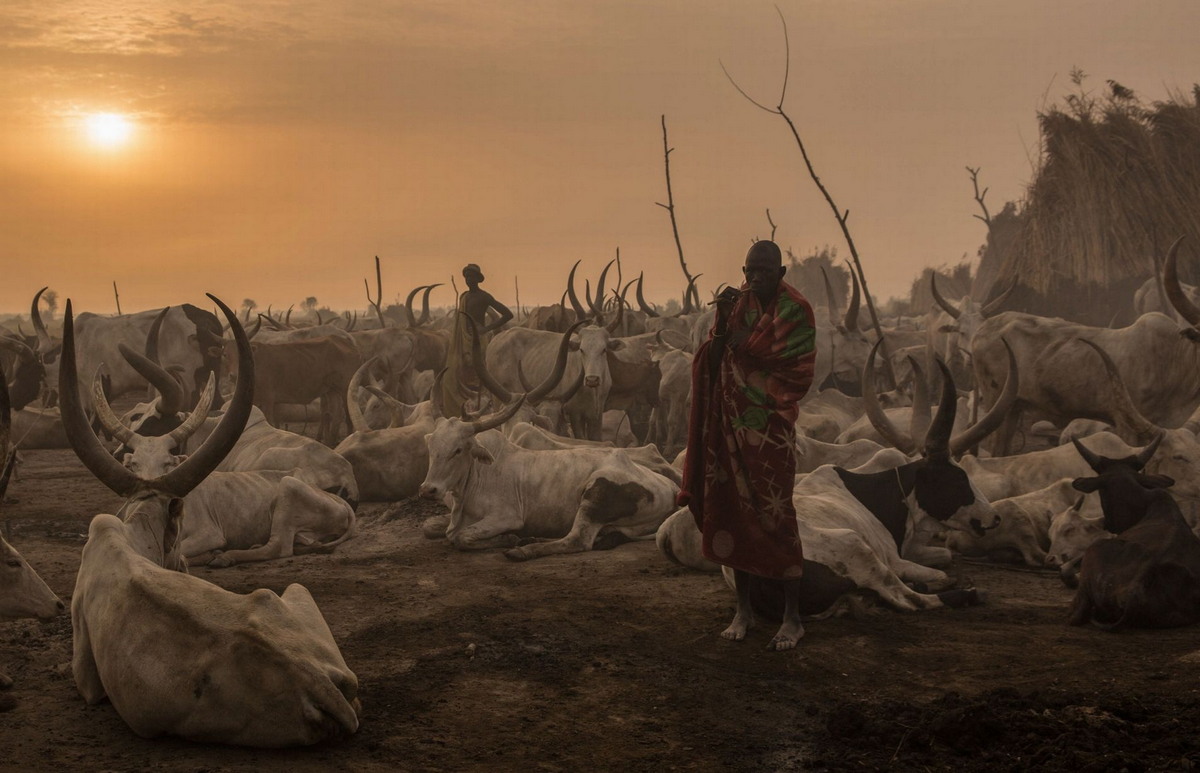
(279, 146)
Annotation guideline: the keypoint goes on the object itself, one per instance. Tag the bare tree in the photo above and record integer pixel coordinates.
(310, 303)
(670, 207)
(985, 217)
(842, 216)
(378, 293)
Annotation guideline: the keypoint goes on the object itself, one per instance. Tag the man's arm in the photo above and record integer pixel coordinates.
(505, 314)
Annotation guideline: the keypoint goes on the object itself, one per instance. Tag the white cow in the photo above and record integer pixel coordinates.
(177, 655)
(500, 492)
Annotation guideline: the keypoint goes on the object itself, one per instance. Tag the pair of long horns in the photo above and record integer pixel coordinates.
(938, 438)
(182, 479)
(990, 308)
(850, 321)
(539, 393)
(408, 302)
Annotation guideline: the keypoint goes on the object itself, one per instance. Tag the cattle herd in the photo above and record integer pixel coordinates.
(1012, 436)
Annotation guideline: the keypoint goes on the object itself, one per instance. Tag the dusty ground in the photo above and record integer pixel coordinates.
(611, 661)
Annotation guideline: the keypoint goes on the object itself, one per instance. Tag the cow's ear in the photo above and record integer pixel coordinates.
(616, 345)
(573, 346)
(179, 458)
(126, 460)
(1155, 481)
(1086, 485)
(481, 454)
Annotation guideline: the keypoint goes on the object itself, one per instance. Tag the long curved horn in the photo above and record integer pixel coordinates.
(17, 347)
(159, 378)
(1175, 293)
(580, 312)
(180, 434)
(424, 320)
(535, 395)
(197, 467)
(831, 300)
(521, 377)
(481, 371)
(108, 419)
(879, 420)
(598, 301)
(498, 418)
(438, 408)
(257, 327)
(587, 296)
(851, 321)
(408, 303)
(152, 337)
(993, 306)
(44, 342)
(1125, 412)
(620, 315)
(641, 299)
(79, 433)
(353, 322)
(946, 305)
(688, 307)
(1143, 456)
(1093, 460)
(918, 427)
(973, 435)
(937, 440)
(358, 422)
(287, 320)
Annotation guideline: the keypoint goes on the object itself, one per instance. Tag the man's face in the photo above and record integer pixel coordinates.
(473, 277)
(762, 274)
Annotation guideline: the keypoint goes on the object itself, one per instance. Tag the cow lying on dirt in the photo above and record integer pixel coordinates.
(177, 655)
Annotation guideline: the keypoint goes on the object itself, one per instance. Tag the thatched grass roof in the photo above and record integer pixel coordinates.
(1116, 183)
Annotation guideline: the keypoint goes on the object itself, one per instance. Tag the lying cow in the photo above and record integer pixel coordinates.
(565, 498)
(177, 655)
(1148, 575)
(236, 517)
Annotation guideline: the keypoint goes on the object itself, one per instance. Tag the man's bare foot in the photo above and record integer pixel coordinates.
(788, 636)
(737, 629)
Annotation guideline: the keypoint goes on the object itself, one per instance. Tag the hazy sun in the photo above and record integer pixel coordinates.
(108, 130)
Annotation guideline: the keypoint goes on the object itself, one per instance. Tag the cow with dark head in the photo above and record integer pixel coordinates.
(1148, 574)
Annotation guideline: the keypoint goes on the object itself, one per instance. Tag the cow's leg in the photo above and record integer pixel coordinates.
(933, 579)
(83, 662)
(200, 547)
(866, 570)
(498, 530)
(295, 506)
(579, 539)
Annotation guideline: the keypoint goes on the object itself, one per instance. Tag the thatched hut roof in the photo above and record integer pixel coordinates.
(1116, 183)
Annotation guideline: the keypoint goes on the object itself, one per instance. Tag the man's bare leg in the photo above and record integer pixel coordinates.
(743, 618)
(792, 630)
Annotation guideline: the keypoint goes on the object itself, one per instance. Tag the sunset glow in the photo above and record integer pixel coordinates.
(108, 130)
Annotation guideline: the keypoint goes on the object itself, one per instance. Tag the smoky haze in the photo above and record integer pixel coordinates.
(278, 148)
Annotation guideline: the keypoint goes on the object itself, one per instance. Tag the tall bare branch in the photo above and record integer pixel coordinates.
(378, 299)
(117, 296)
(670, 207)
(842, 216)
(985, 217)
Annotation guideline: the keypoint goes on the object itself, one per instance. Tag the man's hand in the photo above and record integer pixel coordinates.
(725, 302)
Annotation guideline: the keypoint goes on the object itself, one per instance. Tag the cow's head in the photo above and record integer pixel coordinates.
(154, 506)
(1071, 533)
(1122, 484)
(593, 345)
(454, 450)
(941, 489)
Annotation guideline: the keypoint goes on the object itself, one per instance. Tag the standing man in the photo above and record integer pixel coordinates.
(741, 458)
(460, 380)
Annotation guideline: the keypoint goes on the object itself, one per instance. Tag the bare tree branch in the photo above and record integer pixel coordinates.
(986, 217)
(772, 222)
(841, 216)
(117, 296)
(670, 207)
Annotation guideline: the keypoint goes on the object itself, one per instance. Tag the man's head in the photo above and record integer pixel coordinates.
(764, 269)
(472, 273)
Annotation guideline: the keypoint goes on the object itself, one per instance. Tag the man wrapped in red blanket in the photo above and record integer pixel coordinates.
(741, 456)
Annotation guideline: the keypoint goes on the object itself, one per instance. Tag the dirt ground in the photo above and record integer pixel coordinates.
(612, 661)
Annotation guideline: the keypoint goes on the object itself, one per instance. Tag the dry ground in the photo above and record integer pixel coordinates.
(611, 661)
